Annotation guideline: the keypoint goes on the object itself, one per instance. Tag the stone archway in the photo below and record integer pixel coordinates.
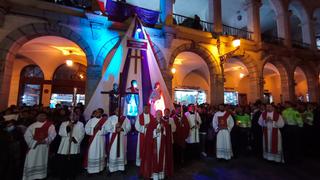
(17, 38)
(287, 84)
(312, 79)
(107, 51)
(216, 81)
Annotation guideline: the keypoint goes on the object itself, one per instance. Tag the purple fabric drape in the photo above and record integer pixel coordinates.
(119, 11)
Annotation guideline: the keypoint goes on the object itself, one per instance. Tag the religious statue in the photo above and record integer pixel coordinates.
(113, 98)
(156, 99)
(131, 107)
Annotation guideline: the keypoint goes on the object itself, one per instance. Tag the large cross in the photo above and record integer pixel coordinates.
(136, 57)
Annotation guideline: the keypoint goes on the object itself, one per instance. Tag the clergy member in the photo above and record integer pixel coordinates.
(94, 160)
(169, 120)
(72, 133)
(271, 121)
(141, 125)
(117, 148)
(223, 123)
(193, 140)
(38, 136)
(180, 136)
(157, 160)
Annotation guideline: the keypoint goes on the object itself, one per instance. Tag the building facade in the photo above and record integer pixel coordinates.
(278, 58)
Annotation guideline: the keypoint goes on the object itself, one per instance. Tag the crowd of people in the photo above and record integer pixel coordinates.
(37, 141)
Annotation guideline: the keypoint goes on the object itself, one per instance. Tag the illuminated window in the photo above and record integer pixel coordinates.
(30, 85)
(65, 79)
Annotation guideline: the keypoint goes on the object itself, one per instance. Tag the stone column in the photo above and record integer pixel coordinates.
(253, 12)
(166, 8)
(291, 88)
(285, 90)
(93, 78)
(317, 89)
(313, 88)
(217, 16)
(283, 27)
(256, 89)
(6, 66)
(217, 89)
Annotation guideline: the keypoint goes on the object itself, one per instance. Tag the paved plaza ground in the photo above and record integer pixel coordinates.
(245, 168)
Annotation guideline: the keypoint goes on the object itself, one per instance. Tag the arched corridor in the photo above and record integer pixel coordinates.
(191, 79)
(237, 82)
(49, 54)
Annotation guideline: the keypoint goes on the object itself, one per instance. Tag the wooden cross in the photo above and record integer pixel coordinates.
(136, 58)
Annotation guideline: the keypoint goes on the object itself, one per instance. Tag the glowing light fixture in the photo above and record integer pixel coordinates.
(139, 30)
(81, 76)
(241, 75)
(69, 62)
(173, 70)
(178, 61)
(236, 43)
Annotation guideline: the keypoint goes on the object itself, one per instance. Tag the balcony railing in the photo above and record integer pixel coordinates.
(192, 23)
(300, 44)
(208, 26)
(228, 30)
(82, 4)
(272, 39)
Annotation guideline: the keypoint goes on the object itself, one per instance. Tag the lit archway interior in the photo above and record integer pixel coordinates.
(191, 81)
(236, 82)
(301, 85)
(272, 84)
(48, 53)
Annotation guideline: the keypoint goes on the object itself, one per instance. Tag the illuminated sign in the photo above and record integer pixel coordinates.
(137, 44)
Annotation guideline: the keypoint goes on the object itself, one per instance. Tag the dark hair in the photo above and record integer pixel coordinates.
(101, 110)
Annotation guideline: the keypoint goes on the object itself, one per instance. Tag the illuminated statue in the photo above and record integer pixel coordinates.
(156, 99)
(131, 107)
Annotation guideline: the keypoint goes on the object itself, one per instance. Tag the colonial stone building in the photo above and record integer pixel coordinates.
(278, 58)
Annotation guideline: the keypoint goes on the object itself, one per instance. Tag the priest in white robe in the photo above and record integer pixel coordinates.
(223, 123)
(141, 124)
(38, 136)
(94, 160)
(271, 121)
(72, 133)
(118, 129)
(194, 120)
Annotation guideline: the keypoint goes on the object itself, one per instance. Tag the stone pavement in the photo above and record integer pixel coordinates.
(248, 168)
